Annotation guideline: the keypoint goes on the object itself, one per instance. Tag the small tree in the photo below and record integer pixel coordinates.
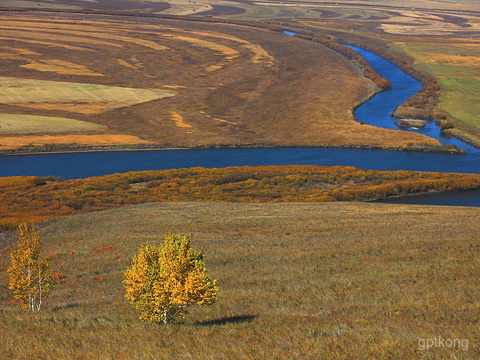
(30, 277)
(163, 281)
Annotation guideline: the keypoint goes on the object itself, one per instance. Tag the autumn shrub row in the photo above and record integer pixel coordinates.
(34, 199)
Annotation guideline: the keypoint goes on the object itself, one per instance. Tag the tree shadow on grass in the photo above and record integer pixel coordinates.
(226, 320)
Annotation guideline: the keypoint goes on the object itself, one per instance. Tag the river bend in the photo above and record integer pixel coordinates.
(375, 112)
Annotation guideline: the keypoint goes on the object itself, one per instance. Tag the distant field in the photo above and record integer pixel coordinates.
(303, 281)
(73, 97)
(438, 38)
(28, 124)
(289, 9)
(461, 99)
(66, 141)
(457, 65)
(233, 84)
(239, 85)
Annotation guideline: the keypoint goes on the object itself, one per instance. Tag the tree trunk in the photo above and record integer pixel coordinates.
(165, 313)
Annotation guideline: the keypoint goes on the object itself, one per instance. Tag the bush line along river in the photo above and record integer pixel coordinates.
(374, 112)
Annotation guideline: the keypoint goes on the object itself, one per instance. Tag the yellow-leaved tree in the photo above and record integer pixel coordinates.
(163, 281)
(30, 277)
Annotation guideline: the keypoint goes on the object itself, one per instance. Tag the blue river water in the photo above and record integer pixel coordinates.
(378, 111)
(375, 112)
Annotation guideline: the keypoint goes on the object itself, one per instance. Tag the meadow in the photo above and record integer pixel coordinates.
(28, 124)
(436, 44)
(298, 280)
(234, 84)
(73, 97)
(455, 64)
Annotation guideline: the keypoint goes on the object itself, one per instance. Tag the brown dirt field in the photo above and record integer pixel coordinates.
(235, 85)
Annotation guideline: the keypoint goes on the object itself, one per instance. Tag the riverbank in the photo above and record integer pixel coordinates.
(424, 104)
(148, 147)
(463, 136)
(39, 198)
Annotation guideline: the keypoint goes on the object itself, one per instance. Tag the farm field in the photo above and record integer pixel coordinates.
(456, 64)
(299, 280)
(27, 124)
(268, 9)
(184, 83)
(73, 97)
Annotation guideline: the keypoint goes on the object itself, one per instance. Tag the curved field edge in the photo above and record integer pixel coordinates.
(28, 124)
(39, 198)
(349, 133)
(302, 280)
(450, 106)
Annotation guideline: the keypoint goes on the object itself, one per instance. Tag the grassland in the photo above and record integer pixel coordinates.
(73, 97)
(234, 85)
(28, 124)
(455, 63)
(331, 280)
(309, 281)
(51, 142)
(437, 38)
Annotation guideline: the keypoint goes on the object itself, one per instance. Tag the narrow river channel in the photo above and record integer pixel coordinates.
(376, 112)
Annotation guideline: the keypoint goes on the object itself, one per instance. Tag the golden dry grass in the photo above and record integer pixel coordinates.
(73, 96)
(86, 108)
(126, 64)
(60, 67)
(178, 119)
(55, 37)
(46, 43)
(29, 124)
(15, 142)
(450, 59)
(226, 51)
(260, 55)
(303, 281)
(234, 85)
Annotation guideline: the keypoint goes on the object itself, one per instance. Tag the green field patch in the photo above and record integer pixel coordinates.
(460, 98)
(442, 70)
(456, 66)
(31, 124)
(31, 93)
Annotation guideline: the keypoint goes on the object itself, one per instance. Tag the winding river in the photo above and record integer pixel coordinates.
(375, 112)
